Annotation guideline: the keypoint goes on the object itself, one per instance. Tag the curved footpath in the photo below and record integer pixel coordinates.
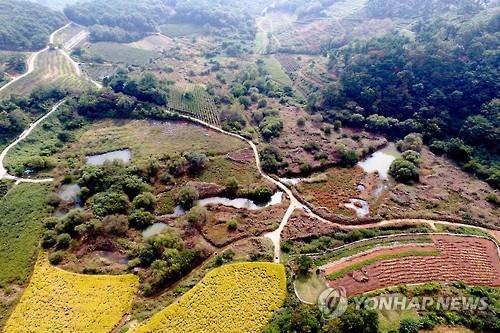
(3, 172)
(275, 235)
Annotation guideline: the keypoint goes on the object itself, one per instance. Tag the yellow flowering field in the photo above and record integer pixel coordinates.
(233, 298)
(60, 301)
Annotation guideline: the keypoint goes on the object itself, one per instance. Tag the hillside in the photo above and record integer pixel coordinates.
(30, 29)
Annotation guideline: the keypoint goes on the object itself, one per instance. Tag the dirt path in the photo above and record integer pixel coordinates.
(3, 172)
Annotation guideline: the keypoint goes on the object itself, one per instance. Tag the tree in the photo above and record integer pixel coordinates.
(197, 216)
(304, 264)
(107, 203)
(411, 156)
(412, 141)
(409, 325)
(63, 241)
(141, 219)
(186, 197)
(404, 171)
(197, 161)
(146, 201)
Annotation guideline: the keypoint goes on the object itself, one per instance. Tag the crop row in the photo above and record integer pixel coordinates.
(196, 102)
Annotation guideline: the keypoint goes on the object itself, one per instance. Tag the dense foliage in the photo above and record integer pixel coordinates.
(31, 27)
(123, 20)
(443, 84)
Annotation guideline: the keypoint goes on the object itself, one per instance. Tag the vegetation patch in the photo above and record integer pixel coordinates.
(21, 213)
(123, 54)
(231, 298)
(56, 300)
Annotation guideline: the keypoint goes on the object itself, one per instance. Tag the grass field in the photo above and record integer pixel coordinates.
(143, 138)
(21, 214)
(274, 69)
(122, 54)
(60, 301)
(51, 68)
(181, 29)
(196, 102)
(231, 298)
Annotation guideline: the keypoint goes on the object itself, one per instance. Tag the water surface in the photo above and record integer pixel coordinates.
(123, 155)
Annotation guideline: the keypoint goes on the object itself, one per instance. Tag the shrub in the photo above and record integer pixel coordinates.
(141, 219)
(187, 196)
(301, 122)
(49, 239)
(232, 224)
(348, 158)
(56, 258)
(115, 224)
(197, 216)
(63, 241)
(107, 203)
(404, 171)
(146, 201)
(409, 325)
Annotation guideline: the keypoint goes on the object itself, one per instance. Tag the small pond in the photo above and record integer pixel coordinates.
(240, 202)
(69, 192)
(380, 161)
(154, 229)
(361, 207)
(123, 155)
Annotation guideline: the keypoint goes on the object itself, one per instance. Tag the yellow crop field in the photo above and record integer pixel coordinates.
(60, 301)
(232, 298)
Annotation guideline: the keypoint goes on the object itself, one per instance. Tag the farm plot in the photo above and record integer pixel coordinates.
(98, 72)
(232, 298)
(194, 101)
(122, 53)
(60, 301)
(472, 260)
(273, 67)
(21, 215)
(71, 36)
(181, 29)
(51, 68)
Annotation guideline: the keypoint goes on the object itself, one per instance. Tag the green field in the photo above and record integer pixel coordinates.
(21, 213)
(122, 54)
(181, 29)
(51, 68)
(277, 73)
(196, 102)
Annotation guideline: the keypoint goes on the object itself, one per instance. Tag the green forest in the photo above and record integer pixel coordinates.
(30, 29)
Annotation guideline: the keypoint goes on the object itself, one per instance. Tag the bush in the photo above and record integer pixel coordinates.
(404, 171)
(187, 196)
(301, 122)
(109, 203)
(63, 241)
(411, 156)
(115, 224)
(146, 201)
(56, 258)
(197, 216)
(232, 224)
(49, 239)
(348, 158)
(409, 325)
(141, 219)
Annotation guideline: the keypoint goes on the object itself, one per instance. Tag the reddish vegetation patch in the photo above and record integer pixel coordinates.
(340, 264)
(302, 226)
(472, 260)
(245, 155)
(445, 192)
(249, 222)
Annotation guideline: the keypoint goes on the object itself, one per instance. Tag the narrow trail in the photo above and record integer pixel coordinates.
(275, 236)
(3, 172)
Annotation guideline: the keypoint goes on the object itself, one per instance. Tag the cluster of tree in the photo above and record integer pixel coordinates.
(269, 122)
(11, 63)
(17, 112)
(443, 85)
(123, 20)
(303, 8)
(167, 259)
(146, 88)
(421, 8)
(26, 26)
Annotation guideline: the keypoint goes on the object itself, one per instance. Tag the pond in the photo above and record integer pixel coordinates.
(380, 161)
(69, 192)
(123, 155)
(361, 207)
(154, 229)
(240, 202)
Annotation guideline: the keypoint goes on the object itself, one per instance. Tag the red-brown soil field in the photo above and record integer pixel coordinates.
(472, 260)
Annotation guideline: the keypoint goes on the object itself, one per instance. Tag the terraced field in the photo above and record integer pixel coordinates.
(122, 53)
(59, 301)
(51, 68)
(232, 298)
(194, 101)
(472, 260)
